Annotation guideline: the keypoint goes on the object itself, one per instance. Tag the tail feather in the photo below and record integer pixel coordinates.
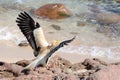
(36, 52)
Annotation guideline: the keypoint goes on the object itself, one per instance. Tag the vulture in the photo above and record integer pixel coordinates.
(33, 32)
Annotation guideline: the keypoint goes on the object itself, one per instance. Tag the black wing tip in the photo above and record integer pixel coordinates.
(24, 12)
(21, 15)
(72, 39)
(37, 25)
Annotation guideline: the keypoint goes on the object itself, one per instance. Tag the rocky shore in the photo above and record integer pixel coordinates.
(61, 69)
(96, 24)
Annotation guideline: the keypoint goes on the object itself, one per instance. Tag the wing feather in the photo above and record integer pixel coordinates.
(27, 26)
(62, 44)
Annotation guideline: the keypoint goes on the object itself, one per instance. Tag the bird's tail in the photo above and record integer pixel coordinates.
(36, 52)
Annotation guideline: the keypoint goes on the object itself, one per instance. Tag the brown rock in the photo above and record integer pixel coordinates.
(77, 66)
(53, 11)
(23, 43)
(45, 77)
(6, 79)
(118, 1)
(6, 74)
(71, 77)
(56, 27)
(58, 62)
(108, 73)
(26, 77)
(100, 61)
(56, 70)
(34, 77)
(13, 68)
(107, 19)
(24, 62)
(43, 70)
(91, 64)
(62, 70)
(60, 76)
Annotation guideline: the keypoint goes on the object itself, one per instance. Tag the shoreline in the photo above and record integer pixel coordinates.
(13, 53)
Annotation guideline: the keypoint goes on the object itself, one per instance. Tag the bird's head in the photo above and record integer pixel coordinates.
(55, 42)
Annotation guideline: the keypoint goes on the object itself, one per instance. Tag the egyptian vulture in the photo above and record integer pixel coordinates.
(35, 36)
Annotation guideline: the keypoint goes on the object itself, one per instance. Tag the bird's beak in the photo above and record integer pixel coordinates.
(56, 42)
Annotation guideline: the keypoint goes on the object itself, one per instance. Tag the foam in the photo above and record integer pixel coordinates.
(95, 51)
(6, 34)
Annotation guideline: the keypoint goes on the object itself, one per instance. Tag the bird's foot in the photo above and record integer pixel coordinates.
(25, 71)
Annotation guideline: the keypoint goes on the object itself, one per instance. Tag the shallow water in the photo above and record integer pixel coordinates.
(87, 42)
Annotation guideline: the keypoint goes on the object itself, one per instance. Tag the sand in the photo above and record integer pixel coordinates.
(12, 53)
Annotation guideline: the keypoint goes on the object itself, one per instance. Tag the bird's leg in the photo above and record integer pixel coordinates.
(38, 61)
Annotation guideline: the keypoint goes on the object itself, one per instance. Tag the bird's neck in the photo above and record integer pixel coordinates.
(51, 46)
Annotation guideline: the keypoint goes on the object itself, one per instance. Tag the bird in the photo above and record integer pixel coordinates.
(34, 34)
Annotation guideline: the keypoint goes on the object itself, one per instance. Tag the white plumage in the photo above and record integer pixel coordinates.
(40, 38)
(35, 36)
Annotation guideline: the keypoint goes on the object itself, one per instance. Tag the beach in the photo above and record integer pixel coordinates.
(89, 41)
(94, 54)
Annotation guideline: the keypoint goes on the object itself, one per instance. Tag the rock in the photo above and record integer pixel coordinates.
(63, 76)
(71, 77)
(24, 62)
(42, 70)
(77, 66)
(81, 23)
(56, 70)
(104, 18)
(67, 71)
(13, 68)
(117, 63)
(58, 62)
(45, 77)
(60, 76)
(36, 75)
(74, 33)
(56, 27)
(110, 31)
(23, 43)
(108, 25)
(80, 71)
(107, 19)
(105, 30)
(5, 74)
(61, 69)
(26, 77)
(114, 8)
(91, 64)
(6, 78)
(111, 72)
(100, 61)
(53, 11)
(118, 1)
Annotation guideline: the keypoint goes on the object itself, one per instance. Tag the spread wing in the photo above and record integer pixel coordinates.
(62, 44)
(27, 26)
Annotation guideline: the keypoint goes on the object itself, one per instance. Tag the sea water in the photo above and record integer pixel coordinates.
(88, 41)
